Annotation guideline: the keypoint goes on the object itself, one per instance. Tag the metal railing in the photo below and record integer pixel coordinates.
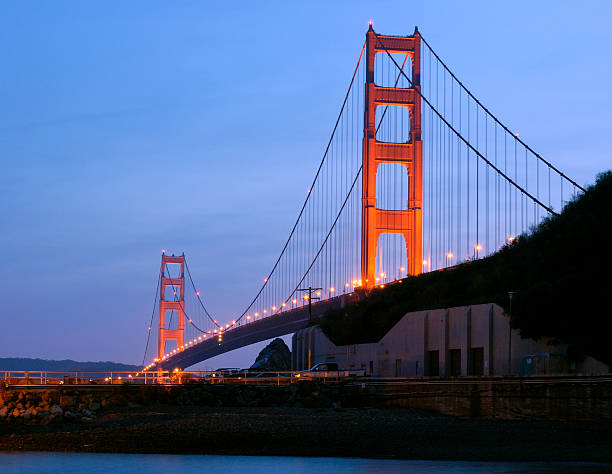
(70, 378)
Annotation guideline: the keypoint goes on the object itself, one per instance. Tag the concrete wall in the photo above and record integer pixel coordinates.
(465, 340)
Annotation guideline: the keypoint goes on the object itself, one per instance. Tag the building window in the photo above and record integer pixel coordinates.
(433, 363)
(455, 362)
(476, 366)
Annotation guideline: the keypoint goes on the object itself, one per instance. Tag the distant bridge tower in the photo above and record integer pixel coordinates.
(176, 304)
(375, 221)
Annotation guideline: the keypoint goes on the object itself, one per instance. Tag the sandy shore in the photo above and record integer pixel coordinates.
(377, 433)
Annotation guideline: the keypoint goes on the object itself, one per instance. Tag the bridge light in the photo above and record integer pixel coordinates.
(370, 23)
(264, 311)
(305, 297)
(273, 308)
(199, 338)
(402, 269)
(189, 320)
(226, 326)
(150, 328)
(174, 292)
(163, 250)
(294, 300)
(331, 289)
(510, 239)
(233, 321)
(346, 285)
(265, 280)
(382, 286)
(197, 293)
(378, 279)
(256, 314)
(449, 255)
(284, 304)
(478, 247)
(318, 293)
(248, 317)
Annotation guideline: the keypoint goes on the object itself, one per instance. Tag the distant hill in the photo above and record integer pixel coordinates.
(18, 363)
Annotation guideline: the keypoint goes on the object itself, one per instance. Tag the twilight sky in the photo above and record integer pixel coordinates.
(128, 127)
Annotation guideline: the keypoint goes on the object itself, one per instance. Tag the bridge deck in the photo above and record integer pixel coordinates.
(277, 325)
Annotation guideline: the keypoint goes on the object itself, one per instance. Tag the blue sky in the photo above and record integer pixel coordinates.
(128, 127)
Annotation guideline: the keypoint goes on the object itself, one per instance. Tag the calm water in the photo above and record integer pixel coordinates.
(162, 463)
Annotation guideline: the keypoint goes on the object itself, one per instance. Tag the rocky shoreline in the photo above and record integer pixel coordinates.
(81, 404)
(46, 407)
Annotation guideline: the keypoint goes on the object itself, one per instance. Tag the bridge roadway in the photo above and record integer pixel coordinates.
(277, 325)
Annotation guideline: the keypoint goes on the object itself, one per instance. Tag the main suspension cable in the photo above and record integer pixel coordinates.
(507, 178)
(197, 293)
(150, 327)
(515, 135)
(177, 300)
(266, 280)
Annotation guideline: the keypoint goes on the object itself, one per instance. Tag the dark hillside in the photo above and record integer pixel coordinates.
(560, 273)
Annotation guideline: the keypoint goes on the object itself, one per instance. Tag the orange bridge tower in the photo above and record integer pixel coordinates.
(376, 221)
(177, 303)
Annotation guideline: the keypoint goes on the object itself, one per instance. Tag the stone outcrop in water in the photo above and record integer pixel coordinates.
(276, 356)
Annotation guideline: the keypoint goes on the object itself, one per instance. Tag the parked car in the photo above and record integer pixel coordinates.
(328, 370)
(325, 367)
(227, 372)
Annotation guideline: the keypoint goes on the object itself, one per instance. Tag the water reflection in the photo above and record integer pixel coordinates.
(167, 463)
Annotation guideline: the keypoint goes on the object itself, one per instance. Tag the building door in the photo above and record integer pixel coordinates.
(477, 361)
(432, 364)
(455, 362)
(398, 367)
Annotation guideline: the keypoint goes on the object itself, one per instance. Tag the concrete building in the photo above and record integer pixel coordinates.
(465, 340)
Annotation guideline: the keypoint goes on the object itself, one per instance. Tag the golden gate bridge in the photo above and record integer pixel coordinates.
(417, 176)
